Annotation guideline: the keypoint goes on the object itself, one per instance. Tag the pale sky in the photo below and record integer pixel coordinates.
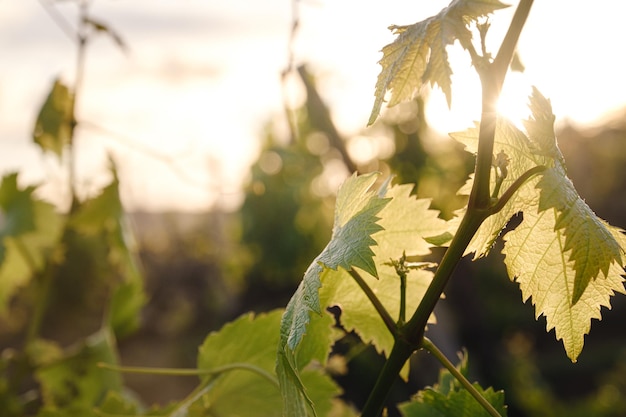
(202, 77)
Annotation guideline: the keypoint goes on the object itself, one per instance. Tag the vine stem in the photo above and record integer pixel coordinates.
(434, 350)
(410, 336)
(380, 308)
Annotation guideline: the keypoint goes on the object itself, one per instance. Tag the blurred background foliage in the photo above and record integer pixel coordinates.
(202, 270)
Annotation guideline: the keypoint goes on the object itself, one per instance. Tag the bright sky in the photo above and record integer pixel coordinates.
(201, 78)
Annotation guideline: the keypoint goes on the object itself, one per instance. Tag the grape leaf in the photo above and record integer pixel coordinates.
(535, 256)
(559, 250)
(355, 221)
(448, 398)
(252, 341)
(588, 240)
(53, 127)
(29, 232)
(386, 226)
(406, 223)
(561, 246)
(418, 55)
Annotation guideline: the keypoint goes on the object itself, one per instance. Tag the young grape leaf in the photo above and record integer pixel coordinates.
(29, 232)
(449, 399)
(401, 226)
(418, 55)
(53, 128)
(588, 240)
(350, 245)
(251, 342)
(430, 403)
(559, 250)
(535, 256)
(406, 222)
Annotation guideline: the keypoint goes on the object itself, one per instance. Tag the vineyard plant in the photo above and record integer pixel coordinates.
(376, 277)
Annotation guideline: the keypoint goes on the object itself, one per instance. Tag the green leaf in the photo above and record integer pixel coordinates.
(407, 223)
(29, 232)
(536, 257)
(588, 240)
(75, 381)
(350, 245)
(561, 246)
(371, 229)
(418, 55)
(355, 221)
(53, 128)
(430, 403)
(449, 399)
(252, 341)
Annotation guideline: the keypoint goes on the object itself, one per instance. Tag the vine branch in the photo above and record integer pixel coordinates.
(380, 308)
(506, 196)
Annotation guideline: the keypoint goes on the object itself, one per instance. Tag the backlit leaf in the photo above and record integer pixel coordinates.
(564, 257)
(536, 257)
(418, 55)
(384, 226)
(355, 221)
(406, 222)
(559, 250)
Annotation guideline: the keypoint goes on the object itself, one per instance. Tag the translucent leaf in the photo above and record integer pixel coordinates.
(406, 222)
(350, 245)
(252, 341)
(536, 257)
(384, 226)
(559, 250)
(53, 128)
(588, 241)
(418, 55)
(29, 232)
(355, 221)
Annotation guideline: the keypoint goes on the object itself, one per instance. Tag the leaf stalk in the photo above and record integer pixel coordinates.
(380, 308)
